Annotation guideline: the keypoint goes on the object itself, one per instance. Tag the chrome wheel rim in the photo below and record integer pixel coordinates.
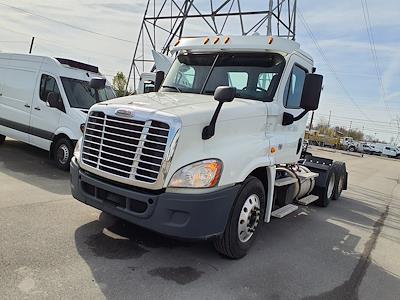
(63, 154)
(331, 185)
(249, 218)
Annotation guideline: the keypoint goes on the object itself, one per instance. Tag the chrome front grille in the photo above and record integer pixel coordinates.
(125, 148)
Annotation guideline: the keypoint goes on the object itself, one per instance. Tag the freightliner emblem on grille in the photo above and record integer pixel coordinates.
(126, 113)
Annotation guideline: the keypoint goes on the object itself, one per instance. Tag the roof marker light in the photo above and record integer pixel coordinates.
(206, 40)
(177, 43)
(216, 40)
(227, 39)
(270, 40)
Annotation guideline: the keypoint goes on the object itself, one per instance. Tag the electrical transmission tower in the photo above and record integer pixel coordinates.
(165, 21)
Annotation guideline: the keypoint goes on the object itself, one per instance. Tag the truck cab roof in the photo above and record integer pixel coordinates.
(254, 43)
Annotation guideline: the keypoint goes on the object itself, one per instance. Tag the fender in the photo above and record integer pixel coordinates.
(68, 132)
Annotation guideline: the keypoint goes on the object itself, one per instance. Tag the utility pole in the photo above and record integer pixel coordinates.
(329, 120)
(30, 49)
(312, 118)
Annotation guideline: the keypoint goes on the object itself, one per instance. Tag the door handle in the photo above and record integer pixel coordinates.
(27, 105)
(37, 108)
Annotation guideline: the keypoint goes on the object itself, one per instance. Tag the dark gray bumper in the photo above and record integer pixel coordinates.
(191, 216)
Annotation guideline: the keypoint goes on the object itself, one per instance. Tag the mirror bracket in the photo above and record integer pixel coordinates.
(209, 130)
(289, 119)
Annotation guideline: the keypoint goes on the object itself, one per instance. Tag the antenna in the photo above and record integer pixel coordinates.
(166, 21)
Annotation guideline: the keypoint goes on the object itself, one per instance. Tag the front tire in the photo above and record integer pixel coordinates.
(244, 223)
(63, 151)
(2, 139)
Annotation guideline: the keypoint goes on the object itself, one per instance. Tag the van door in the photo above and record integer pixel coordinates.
(287, 141)
(17, 88)
(45, 120)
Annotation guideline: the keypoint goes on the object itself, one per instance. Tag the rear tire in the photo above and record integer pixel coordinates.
(63, 151)
(2, 139)
(325, 193)
(245, 220)
(340, 173)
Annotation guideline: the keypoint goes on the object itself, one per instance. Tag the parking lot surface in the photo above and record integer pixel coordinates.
(52, 246)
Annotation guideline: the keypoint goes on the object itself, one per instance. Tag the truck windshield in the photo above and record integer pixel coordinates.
(255, 75)
(81, 95)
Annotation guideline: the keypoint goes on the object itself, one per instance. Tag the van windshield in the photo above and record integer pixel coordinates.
(81, 95)
(254, 75)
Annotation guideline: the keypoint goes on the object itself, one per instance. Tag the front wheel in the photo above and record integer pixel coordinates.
(244, 223)
(63, 151)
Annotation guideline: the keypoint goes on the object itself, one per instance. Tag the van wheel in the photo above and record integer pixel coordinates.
(244, 223)
(326, 192)
(2, 139)
(63, 151)
(340, 174)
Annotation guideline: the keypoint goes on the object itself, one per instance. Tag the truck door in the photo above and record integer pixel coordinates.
(44, 120)
(287, 140)
(17, 86)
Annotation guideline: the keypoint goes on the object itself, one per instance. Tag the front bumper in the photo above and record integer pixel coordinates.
(190, 216)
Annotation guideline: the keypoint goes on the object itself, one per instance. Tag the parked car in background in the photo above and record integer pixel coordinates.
(44, 101)
(389, 151)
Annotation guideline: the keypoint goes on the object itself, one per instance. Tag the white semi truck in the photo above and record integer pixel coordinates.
(216, 151)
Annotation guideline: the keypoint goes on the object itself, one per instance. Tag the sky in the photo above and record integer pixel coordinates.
(361, 77)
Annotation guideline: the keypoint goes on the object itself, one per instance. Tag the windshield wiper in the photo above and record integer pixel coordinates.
(172, 87)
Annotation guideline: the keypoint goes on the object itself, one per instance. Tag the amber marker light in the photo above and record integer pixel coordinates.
(227, 39)
(273, 150)
(270, 40)
(216, 40)
(177, 42)
(206, 40)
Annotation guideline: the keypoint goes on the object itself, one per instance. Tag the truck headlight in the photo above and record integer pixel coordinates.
(202, 174)
(77, 150)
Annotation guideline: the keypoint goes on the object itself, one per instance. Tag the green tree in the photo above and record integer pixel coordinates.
(119, 84)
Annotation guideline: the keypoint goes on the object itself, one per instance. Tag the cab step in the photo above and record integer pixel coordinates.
(285, 181)
(284, 211)
(307, 200)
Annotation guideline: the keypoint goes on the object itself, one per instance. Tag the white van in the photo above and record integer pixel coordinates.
(44, 101)
(389, 151)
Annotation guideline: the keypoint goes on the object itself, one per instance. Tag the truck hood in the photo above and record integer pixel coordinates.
(193, 109)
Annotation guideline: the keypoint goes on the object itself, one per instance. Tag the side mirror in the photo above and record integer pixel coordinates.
(54, 100)
(309, 98)
(97, 83)
(311, 92)
(224, 94)
(159, 80)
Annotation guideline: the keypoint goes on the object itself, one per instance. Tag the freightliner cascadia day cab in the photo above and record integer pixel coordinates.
(216, 151)
(44, 101)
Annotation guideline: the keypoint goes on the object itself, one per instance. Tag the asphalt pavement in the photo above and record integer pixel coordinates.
(54, 247)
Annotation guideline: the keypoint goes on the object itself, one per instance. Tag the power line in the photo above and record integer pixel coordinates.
(368, 26)
(324, 57)
(59, 42)
(66, 24)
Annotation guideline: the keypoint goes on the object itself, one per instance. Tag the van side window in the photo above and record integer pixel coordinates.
(294, 87)
(48, 84)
